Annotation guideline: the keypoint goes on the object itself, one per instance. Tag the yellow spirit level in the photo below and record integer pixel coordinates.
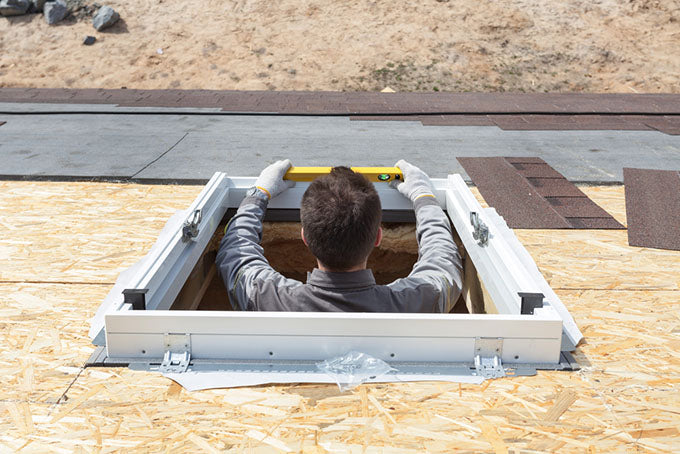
(374, 174)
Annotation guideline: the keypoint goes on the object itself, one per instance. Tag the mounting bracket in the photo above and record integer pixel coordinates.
(488, 351)
(177, 353)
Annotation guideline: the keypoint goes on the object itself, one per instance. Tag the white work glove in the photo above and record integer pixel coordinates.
(416, 183)
(271, 179)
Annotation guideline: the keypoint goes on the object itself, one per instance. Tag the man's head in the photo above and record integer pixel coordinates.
(340, 214)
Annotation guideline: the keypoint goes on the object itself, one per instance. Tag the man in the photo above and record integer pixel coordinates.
(340, 214)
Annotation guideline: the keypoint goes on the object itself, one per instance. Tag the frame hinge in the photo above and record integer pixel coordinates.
(190, 226)
(488, 351)
(480, 231)
(177, 353)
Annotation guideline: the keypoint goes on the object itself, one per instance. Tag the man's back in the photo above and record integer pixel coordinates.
(433, 285)
(355, 291)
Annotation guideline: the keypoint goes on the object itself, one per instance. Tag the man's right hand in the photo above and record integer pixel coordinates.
(416, 183)
(271, 179)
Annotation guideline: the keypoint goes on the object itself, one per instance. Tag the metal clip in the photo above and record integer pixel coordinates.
(488, 351)
(489, 367)
(480, 230)
(190, 226)
(175, 362)
(177, 353)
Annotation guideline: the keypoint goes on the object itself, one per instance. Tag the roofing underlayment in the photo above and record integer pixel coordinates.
(242, 131)
(65, 244)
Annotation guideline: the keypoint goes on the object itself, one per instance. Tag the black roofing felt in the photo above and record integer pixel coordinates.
(530, 194)
(653, 208)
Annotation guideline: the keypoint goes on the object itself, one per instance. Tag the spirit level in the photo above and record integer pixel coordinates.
(374, 174)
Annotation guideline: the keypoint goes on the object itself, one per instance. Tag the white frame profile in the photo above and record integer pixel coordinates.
(504, 266)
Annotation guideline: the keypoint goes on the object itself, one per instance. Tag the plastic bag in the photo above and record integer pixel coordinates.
(353, 369)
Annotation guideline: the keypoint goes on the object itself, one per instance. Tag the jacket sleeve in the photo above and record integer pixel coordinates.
(240, 259)
(439, 262)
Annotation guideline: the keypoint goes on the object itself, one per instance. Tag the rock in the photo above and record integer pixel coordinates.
(105, 18)
(55, 11)
(89, 40)
(14, 7)
(37, 6)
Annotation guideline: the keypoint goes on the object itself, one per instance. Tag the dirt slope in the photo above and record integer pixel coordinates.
(478, 45)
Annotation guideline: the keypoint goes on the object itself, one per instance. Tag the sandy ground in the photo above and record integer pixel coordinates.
(460, 45)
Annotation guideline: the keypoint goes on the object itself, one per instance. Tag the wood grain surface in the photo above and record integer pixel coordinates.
(64, 244)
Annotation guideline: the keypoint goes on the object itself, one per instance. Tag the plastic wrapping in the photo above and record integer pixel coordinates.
(353, 369)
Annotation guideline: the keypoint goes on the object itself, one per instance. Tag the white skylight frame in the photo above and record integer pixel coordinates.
(504, 266)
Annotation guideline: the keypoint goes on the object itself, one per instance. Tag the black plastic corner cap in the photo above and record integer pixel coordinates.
(136, 298)
(530, 301)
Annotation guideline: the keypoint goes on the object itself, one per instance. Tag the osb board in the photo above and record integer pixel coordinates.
(625, 399)
(81, 232)
(43, 337)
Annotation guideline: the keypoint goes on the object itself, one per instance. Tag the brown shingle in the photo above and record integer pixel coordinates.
(530, 194)
(653, 207)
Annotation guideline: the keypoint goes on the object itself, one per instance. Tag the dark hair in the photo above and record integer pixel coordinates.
(340, 214)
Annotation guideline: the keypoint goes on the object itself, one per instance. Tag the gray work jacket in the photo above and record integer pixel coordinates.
(433, 285)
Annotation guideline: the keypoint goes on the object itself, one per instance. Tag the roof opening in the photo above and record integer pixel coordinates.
(286, 253)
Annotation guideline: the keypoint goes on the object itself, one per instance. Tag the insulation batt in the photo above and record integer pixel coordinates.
(286, 252)
(393, 259)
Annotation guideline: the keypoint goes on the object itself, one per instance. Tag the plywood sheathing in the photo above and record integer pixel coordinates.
(624, 300)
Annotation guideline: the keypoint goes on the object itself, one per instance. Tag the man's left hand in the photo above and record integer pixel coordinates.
(271, 179)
